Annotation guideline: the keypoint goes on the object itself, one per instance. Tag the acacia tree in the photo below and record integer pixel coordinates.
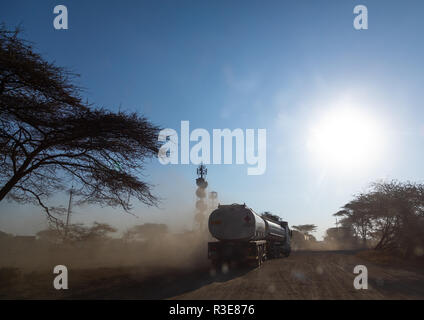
(146, 231)
(392, 213)
(306, 229)
(401, 215)
(77, 233)
(357, 215)
(50, 137)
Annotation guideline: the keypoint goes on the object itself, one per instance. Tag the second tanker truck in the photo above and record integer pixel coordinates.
(245, 236)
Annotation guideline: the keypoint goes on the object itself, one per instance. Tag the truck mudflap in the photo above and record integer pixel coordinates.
(259, 252)
(252, 252)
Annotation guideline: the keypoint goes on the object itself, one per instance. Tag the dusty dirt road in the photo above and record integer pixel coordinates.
(304, 275)
(315, 275)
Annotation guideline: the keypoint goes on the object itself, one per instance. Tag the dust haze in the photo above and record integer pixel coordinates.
(183, 250)
(153, 237)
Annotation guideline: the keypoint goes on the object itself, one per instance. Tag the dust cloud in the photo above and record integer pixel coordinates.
(177, 250)
(174, 246)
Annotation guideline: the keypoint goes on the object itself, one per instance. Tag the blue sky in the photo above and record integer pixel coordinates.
(278, 65)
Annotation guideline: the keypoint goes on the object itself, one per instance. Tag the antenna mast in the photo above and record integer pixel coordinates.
(68, 215)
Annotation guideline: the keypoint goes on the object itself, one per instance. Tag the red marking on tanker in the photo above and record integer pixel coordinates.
(247, 219)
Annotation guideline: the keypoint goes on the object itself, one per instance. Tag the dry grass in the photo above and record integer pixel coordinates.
(392, 259)
(378, 257)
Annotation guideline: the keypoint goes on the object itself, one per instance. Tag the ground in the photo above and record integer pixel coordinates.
(304, 275)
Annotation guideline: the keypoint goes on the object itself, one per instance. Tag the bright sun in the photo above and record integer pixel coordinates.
(346, 138)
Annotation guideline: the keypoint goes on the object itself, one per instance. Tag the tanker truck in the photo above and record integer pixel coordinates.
(246, 237)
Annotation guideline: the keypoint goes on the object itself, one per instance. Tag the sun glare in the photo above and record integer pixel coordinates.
(346, 138)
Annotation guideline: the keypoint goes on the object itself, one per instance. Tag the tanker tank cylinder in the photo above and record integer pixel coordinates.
(236, 222)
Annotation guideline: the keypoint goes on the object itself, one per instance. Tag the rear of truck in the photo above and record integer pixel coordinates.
(240, 234)
(249, 253)
(244, 236)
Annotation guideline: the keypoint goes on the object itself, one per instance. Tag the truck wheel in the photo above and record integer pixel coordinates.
(259, 262)
(260, 257)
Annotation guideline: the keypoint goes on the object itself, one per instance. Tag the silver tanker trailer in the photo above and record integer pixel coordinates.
(245, 236)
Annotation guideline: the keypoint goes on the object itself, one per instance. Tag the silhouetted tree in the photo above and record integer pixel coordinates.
(146, 231)
(392, 213)
(357, 215)
(76, 233)
(306, 229)
(50, 137)
(98, 231)
(340, 237)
